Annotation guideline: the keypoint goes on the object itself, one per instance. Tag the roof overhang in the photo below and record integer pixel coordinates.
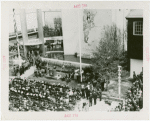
(134, 17)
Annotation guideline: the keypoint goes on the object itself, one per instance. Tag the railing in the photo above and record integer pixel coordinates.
(13, 36)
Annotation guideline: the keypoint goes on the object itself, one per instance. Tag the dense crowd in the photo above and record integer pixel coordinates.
(14, 48)
(35, 95)
(134, 95)
(39, 95)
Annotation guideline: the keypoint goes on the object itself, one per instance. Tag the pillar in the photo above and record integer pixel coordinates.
(24, 29)
(40, 30)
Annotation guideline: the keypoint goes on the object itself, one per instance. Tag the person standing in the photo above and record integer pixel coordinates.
(83, 90)
(87, 91)
(102, 84)
(90, 99)
(95, 96)
(100, 94)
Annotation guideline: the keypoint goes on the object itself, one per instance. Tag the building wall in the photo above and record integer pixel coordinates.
(135, 43)
(103, 17)
(135, 65)
(70, 26)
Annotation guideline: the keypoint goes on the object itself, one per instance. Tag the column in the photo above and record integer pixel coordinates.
(24, 29)
(40, 30)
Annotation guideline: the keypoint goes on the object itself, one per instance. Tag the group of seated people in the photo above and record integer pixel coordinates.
(35, 95)
(134, 95)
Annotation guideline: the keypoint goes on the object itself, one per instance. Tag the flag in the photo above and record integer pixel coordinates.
(15, 26)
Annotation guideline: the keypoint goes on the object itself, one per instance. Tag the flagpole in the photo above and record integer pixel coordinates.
(119, 81)
(79, 15)
(15, 29)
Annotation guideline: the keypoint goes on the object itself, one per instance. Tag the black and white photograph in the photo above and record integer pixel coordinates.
(52, 68)
(76, 61)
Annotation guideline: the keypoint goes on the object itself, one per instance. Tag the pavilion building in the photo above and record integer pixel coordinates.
(135, 41)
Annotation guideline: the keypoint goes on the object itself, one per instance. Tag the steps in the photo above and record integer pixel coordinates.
(28, 72)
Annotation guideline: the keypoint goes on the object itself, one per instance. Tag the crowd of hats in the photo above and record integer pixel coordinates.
(34, 95)
(134, 95)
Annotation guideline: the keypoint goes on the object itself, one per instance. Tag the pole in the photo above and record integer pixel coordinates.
(40, 30)
(123, 31)
(119, 81)
(24, 30)
(17, 39)
(19, 55)
(79, 17)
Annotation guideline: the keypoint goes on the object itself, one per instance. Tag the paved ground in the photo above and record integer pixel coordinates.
(28, 72)
(100, 106)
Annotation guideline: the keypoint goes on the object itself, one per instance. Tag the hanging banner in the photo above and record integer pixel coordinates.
(93, 23)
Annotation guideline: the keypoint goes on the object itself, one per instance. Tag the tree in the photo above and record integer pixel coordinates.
(58, 26)
(106, 57)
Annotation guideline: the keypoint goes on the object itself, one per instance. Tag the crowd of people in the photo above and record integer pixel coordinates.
(14, 48)
(35, 95)
(134, 95)
(29, 61)
(54, 97)
(21, 70)
(44, 68)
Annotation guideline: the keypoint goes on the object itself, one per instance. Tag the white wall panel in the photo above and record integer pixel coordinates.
(70, 31)
(135, 65)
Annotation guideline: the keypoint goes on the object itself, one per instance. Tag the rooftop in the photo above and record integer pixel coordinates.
(136, 13)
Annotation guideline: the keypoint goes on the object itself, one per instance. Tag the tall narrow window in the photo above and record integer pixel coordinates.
(138, 28)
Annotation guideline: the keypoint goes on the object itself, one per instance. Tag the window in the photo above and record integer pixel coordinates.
(138, 28)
